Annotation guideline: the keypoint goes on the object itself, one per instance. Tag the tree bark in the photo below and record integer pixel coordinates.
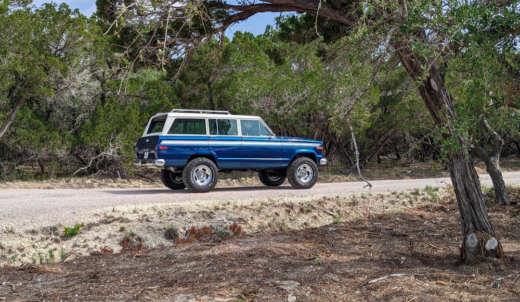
(12, 115)
(493, 168)
(210, 96)
(492, 162)
(42, 166)
(479, 237)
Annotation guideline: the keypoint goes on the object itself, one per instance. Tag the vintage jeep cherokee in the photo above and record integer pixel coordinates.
(191, 147)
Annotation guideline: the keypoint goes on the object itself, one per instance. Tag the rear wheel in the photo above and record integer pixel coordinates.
(200, 175)
(302, 173)
(271, 179)
(172, 180)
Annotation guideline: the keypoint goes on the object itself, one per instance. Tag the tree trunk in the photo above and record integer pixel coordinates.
(492, 162)
(12, 115)
(493, 168)
(42, 166)
(210, 96)
(479, 237)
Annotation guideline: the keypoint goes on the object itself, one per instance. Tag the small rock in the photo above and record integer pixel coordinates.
(288, 285)
(291, 298)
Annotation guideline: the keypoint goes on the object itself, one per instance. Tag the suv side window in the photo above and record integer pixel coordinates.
(253, 128)
(223, 127)
(188, 126)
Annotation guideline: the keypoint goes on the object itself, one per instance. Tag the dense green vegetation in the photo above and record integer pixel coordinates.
(71, 103)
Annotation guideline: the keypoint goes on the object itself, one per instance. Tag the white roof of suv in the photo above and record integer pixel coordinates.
(204, 113)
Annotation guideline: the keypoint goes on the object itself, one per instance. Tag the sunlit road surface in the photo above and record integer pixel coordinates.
(34, 208)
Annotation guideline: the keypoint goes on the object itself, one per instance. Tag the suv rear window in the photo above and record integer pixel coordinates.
(157, 124)
(188, 126)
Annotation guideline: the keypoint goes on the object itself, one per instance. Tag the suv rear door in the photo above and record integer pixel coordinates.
(225, 142)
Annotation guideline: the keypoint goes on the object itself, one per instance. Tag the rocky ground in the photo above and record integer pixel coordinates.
(396, 246)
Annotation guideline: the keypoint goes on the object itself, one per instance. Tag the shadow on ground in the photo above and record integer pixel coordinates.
(224, 189)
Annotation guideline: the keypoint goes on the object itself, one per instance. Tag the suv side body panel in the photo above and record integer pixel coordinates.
(180, 148)
(261, 152)
(227, 150)
(293, 146)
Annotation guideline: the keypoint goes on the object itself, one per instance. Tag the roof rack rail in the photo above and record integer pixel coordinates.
(201, 111)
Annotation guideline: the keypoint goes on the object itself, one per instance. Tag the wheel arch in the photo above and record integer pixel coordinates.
(209, 156)
(308, 154)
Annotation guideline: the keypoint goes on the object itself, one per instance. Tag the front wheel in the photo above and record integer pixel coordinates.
(302, 173)
(172, 180)
(271, 179)
(200, 175)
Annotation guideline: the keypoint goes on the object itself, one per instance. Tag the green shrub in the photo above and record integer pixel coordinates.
(71, 232)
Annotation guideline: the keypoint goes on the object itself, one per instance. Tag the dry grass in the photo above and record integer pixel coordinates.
(400, 246)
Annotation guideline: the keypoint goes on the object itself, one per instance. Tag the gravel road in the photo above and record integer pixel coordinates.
(35, 208)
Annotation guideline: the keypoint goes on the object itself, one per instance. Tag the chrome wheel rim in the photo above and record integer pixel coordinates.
(273, 177)
(304, 173)
(202, 175)
(176, 178)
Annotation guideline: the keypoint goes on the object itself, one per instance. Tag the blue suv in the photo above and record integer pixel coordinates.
(191, 147)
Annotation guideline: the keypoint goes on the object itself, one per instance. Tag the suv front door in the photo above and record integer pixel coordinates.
(260, 149)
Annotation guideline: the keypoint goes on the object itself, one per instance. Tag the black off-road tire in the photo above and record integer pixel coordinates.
(309, 167)
(172, 180)
(192, 183)
(271, 179)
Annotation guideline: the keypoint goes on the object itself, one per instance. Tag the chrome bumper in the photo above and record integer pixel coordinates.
(150, 163)
(323, 161)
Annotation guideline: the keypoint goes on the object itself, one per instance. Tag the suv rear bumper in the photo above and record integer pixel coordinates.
(150, 163)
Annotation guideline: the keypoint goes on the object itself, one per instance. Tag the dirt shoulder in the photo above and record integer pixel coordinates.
(384, 246)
